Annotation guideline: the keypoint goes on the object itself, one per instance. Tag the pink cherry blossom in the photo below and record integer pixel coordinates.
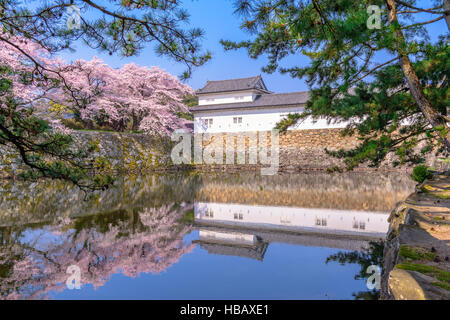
(152, 247)
(148, 97)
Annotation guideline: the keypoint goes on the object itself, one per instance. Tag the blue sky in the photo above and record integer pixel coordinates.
(216, 18)
(287, 272)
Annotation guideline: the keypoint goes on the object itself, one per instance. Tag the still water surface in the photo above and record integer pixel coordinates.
(190, 236)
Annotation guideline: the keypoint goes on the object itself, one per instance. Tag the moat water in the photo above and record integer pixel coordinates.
(197, 236)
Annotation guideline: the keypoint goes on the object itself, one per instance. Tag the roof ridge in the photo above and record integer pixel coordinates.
(262, 100)
(234, 79)
(290, 92)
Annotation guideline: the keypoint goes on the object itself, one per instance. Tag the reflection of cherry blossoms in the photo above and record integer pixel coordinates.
(127, 242)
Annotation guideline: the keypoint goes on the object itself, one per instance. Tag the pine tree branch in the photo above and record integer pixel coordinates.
(429, 10)
(146, 25)
(374, 69)
(423, 23)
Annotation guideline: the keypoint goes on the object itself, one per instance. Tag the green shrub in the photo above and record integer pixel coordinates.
(420, 173)
(416, 253)
(73, 124)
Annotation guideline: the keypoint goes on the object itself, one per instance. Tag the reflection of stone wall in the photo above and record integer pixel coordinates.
(26, 203)
(372, 191)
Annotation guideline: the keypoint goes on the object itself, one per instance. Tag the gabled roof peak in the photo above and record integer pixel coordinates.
(240, 84)
(261, 101)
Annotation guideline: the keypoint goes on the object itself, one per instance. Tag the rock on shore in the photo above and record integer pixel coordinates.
(417, 252)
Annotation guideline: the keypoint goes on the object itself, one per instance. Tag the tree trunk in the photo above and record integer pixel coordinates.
(135, 125)
(447, 12)
(431, 114)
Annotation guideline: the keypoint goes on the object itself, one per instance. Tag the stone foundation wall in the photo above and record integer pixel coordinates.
(305, 149)
(310, 140)
(298, 150)
(118, 152)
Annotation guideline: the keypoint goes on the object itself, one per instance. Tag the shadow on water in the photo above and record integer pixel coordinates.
(146, 224)
(365, 258)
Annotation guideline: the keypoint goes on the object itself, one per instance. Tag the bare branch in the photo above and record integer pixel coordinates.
(430, 10)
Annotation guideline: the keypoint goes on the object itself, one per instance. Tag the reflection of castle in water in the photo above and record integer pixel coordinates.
(245, 230)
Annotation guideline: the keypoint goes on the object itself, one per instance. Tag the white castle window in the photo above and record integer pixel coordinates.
(209, 213)
(208, 122)
(361, 225)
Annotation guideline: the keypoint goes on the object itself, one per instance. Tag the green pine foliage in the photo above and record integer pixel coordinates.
(46, 152)
(116, 27)
(420, 173)
(357, 74)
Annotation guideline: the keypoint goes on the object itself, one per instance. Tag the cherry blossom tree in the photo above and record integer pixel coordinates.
(132, 97)
(115, 27)
(28, 73)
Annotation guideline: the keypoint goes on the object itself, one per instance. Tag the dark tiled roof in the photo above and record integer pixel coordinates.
(227, 249)
(233, 85)
(355, 242)
(263, 100)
